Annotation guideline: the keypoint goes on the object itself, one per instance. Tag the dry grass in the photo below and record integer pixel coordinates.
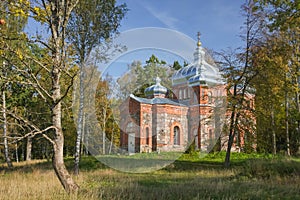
(181, 180)
(29, 182)
(36, 185)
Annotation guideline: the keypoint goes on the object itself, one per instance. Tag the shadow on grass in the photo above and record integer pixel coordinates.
(125, 164)
(188, 185)
(249, 164)
(148, 164)
(28, 166)
(248, 178)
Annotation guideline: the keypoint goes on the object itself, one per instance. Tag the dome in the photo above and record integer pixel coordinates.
(191, 74)
(156, 90)
(197, 79)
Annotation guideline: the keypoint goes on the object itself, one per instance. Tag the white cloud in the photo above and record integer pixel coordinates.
(163, 16)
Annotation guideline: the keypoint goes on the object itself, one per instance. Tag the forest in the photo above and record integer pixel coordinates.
(48, 82)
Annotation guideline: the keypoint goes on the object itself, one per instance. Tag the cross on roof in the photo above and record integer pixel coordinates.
(199, 42)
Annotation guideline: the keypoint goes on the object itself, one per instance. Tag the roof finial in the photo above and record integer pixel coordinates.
(199, 42)
(157, 80)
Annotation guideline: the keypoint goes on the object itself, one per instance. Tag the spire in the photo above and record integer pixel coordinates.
(199, 53)
(199, 42)
(157, 80)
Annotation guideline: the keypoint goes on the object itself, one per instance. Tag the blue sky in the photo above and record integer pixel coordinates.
(178, 22)
(219, 21)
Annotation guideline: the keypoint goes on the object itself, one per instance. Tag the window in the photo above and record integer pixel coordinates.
(195, 98)
(147, 136)
(210, 96)
(180, 94)
(176, 136)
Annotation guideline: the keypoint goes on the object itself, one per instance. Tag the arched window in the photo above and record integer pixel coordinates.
(210, 97)
(147, 136)
(180, 94)
(195, 132)
(176, 136)
(195, 98)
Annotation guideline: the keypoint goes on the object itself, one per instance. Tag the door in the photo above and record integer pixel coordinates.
(131, 143)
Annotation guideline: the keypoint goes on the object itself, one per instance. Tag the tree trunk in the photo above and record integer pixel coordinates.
(111, 140)
(60, 169)
(82, 152)
(87, 135)
(298, 108)
(6, 148)
(79, 122)
(103, 130)
(230, 138)
(287, 125)
(23, 156)
(28, 148)
(273, 132)
(58, 143)
(16, 150)
(58, 161)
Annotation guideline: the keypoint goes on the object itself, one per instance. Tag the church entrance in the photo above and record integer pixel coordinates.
(131, 143)
(176, 136)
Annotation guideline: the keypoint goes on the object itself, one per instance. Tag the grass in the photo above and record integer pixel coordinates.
(252, 176)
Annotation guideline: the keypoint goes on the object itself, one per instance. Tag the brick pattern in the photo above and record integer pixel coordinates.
(154, 125)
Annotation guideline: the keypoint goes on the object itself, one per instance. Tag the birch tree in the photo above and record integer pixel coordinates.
(52, 14)
(91, 24)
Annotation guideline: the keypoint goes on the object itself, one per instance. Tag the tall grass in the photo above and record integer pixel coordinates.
(190, 177)
(30, 182)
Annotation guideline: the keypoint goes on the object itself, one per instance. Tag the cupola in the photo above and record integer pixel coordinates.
(156, 90)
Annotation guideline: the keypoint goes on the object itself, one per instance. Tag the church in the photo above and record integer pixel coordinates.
(158, 123)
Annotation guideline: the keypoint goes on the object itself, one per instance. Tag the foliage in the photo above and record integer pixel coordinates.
(277, 60)
(266, 169)
(107, 114)
(140, 77)
(176, 65)
(92, 23)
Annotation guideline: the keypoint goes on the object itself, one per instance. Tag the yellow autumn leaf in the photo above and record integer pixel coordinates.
(37, 10)
(40, 14)
(27, 3)
(19, 54)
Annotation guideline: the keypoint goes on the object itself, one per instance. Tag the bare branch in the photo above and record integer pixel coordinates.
(34, 133)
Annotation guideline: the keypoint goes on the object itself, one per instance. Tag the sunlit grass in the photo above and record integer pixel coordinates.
(252, 176)
(30, 183)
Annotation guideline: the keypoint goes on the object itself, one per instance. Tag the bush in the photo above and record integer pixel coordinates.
(267, 168)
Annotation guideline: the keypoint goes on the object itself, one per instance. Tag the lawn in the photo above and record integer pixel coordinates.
(251, 176)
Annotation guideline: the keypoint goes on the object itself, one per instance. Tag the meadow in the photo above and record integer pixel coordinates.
(251, 176)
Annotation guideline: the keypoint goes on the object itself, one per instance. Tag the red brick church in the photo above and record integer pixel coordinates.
(157, 123)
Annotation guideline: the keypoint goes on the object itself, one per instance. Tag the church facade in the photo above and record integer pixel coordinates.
(158, 123)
